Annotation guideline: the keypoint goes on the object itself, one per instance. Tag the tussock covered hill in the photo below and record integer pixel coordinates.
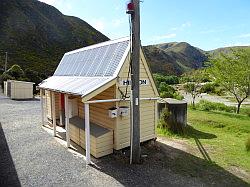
(174, 58)
(36, 35)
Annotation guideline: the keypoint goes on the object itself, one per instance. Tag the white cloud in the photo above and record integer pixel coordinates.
(181, 27)
(174, 29)
(244, 35)
(209, 31)
(187, 24)
(162, 37)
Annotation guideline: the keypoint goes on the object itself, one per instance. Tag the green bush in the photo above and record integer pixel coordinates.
(208, 88)
(248, 144)
(208, 106)
(159, 78)
(5, 77)
(167, 91)
(162, 124)
(177, 96)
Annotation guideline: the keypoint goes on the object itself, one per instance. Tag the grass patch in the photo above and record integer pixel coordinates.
(222, 134)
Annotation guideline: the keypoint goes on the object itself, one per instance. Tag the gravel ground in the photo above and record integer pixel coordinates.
(29, 156)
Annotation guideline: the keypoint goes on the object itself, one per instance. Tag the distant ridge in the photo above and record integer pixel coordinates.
(176, 58)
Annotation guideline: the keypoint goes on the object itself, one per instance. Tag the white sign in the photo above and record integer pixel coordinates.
(128, 82)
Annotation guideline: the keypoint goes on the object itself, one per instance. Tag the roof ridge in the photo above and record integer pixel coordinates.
(109, 42)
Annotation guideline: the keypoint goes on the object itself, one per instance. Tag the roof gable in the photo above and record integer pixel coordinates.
(100, 60)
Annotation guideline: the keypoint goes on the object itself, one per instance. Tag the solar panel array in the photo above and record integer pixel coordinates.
(101, 61)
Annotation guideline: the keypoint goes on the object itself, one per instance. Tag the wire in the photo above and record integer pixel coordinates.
(124, 96)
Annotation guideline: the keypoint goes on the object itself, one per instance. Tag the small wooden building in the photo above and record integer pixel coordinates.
(18, 89)
(96, 79)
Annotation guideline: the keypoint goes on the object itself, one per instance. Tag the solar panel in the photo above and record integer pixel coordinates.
(93, 62)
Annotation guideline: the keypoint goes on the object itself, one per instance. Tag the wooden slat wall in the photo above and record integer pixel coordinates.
(49, 107)
(99, 111)
(147, 111)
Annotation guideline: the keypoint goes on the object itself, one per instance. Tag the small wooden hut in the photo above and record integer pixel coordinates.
(90, 91)
(18, 89)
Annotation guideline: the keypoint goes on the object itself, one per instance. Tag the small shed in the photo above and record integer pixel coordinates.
(178, 112)
(89, 93)
(18, 89)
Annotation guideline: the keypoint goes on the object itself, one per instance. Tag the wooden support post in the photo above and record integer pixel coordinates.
(46, 107)
(54, 112)
(87, 133)
(42, 103)
(60, 111)
(135, 87)
(66, 103)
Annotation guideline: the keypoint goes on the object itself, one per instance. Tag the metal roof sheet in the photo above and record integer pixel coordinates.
(84, 70)
(98, 60)
(74, 85)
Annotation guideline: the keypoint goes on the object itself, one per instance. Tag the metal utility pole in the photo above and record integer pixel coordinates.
(135, 78)
(6, 61)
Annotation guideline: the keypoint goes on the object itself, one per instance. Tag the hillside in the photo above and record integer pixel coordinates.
(174, 58)
(36, 35)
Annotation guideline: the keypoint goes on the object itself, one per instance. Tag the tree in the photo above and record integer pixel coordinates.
(193, 85)
(16, 72)
(32, 76)
(232, 71)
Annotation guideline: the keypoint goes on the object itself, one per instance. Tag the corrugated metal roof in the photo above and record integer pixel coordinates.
(74, 85)
(84, 70)
(97, 60)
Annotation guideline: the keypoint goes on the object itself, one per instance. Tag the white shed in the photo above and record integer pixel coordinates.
(18, 89)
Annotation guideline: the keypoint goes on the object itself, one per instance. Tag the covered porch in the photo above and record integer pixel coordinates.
(87, 125)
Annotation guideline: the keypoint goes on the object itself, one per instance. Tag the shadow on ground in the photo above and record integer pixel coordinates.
(32, 99)
(8, 174)
(165, 165)
(191, 132)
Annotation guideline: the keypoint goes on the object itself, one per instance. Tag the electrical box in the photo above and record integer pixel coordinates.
(123, 111)
(113, 112)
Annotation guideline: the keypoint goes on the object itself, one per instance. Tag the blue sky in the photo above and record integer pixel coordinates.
(206, 24)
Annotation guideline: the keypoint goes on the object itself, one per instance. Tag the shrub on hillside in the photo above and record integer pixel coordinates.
(208, 106)
(248, 144)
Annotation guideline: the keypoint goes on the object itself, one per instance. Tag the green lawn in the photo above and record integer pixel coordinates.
(223, 136)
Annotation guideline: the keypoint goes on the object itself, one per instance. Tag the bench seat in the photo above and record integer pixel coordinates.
(101, 138)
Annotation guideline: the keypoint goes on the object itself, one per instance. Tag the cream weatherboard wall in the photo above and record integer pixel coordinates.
(147, 107)
(48, 100)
